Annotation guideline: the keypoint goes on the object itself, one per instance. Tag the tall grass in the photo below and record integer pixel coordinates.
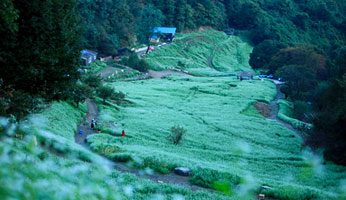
(193, 52)
(219, 136)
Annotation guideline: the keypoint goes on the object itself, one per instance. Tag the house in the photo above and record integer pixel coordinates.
(88, 57)
(245, 75)
(106, 59)
(165, 34)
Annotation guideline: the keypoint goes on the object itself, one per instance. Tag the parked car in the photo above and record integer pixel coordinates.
(262, 76)
(271, 76)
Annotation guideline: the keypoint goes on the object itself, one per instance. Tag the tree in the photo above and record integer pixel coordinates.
(150, 18)
(248, 15)
(329, 125)
(339, 66)
(80, 93)
(39, 52)
(134, 62)
(108, 25)
(42, 56)
(92, 80)
(177, 133)
(17, 104)
(300, 55)
(105, 93)
(263, 52)
(8, 16)
(118, 97)
(299, 78)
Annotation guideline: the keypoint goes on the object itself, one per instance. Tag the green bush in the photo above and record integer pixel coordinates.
(155, 164)
(301, 110)
(92, 80)
(289, 192)
(120, 157)
(106, 149)
(208, 178)
(135, 63)
(177, 133)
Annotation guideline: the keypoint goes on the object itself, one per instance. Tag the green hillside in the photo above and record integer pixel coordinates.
(227, 141)
(207, 53)
(228, 145)
(58, 168)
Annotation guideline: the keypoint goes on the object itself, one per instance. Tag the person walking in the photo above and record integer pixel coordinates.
(123, 133)
(92, 124)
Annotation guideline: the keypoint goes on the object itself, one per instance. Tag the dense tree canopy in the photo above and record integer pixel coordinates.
(149, 19)
(300, 55)
(262, 53)
(299, 78)
(39, 49)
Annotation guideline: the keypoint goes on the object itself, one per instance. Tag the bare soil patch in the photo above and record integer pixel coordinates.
(263, 109)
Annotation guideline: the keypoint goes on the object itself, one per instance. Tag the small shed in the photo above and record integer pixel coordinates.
(88, 56)
(165, 34)
(245, 75)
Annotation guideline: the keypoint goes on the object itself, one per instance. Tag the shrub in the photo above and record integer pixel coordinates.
(105, 92)
(288, 192)
(118, 97)
(177, 133)
(208, 178)
(135, 63)
(92, 80)
(106, 149)
(120, 157)
(80, 93)
(156, 165)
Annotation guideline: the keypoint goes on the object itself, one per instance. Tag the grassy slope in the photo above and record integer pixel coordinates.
(220, 135)
(286, 113)
(192, 50)
(33, 172)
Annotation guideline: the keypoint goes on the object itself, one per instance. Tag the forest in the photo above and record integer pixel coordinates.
(301, 41)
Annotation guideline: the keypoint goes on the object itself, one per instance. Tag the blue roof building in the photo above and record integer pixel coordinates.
(164, 33)
(88, 56)
(166, 30)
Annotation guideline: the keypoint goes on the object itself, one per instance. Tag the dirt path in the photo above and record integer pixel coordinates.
(85, 127)
(274, 107)
(170, 178)
(162, 74)
(213, 53)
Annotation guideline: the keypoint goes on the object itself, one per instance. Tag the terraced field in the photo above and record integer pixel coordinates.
(228, 145)
(208, 53)
(226, 139)
(222, 140)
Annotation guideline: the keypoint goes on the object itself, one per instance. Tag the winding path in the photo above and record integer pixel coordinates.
(170, 178)
(274, 107)
(162, 74)
(85, 127)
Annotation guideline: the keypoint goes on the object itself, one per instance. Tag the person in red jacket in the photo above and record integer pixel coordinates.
(123, 133)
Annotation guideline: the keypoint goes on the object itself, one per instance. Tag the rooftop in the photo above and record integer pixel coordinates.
(171, 30)
(88, 53)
